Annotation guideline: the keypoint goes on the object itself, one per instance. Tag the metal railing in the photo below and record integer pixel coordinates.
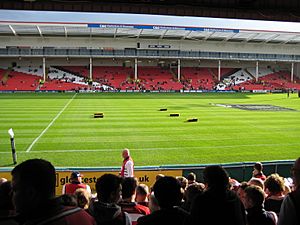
(141, 53)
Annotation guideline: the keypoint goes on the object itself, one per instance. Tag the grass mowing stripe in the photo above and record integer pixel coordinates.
(50, 124)
(158, 149)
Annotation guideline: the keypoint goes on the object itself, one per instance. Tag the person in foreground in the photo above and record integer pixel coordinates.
(290, 207)
(167, 191)
(105, 210)
(217, 204)
(33, 184)
(254, 204)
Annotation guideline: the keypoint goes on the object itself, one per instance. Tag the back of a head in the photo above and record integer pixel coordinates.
(75, 176)
(68, 200)
(255, 195)
(191, 177)
(257, 182)
(158, 176)
(128, 187)
(193, 190)
(183, 182)
(258, 166)
(216, 178)
(142, 190)
(107, 185)
(167, 191)
(275, 184)
(38, 174)
(83, 198)
(296, 173)
(5, 196)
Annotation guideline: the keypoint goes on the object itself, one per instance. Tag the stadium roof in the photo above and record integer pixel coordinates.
(118, 25)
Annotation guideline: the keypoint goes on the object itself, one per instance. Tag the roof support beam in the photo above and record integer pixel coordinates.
(163, 34)
(40, 32)
(271, 38)
(13, 30)
(208, 36)
(288, 40)
(66, 32)
(229, 37)
(184, 36)
(115, 34)
(140, 32)
(251, 37)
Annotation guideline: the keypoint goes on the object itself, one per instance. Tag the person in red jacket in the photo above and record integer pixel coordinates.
(33, 185)
(258, 171)
(76, 183)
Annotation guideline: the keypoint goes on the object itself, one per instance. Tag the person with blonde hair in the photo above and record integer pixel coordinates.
(83, 198)
(274, 188)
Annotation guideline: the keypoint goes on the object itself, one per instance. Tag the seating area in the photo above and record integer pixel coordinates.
(156, 78)
(149, 78)
(18, 81)
(28, 79)
(275, 80)
(122, 78)
(198, 78)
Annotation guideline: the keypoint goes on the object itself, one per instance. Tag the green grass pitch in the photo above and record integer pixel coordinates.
(64, 131)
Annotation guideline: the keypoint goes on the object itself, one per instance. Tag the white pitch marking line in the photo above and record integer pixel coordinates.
(50, 124)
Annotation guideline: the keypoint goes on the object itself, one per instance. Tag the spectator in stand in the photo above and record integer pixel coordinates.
(158, 176)
(128, 203)
(234, 184)
(191, 177)
(167, 191)
(258, 171)
(274, 188)
(190, 194)
(76, 182)
(241, 190)
(6, 205)
(83, 198)
(183, 182)
(290, 208)
(33, 184)
(127, 169)
(153, 203)
(142, 193)
(217, 204)
(257, 182)
(2, 180)
(253, 202)
(105, 210)
(68, 200)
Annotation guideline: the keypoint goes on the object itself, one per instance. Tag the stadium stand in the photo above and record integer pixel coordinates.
(67, 78)
(198, 78)
(18, 81)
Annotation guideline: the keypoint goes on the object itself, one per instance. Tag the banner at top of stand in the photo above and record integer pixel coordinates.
(144, 21)
(155, 27)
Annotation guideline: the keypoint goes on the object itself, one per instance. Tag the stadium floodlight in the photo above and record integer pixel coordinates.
(13, 147)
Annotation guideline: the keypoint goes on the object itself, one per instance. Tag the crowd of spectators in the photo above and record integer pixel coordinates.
(30, 199)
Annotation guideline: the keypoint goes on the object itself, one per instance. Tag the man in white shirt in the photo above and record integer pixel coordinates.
(128, 165)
